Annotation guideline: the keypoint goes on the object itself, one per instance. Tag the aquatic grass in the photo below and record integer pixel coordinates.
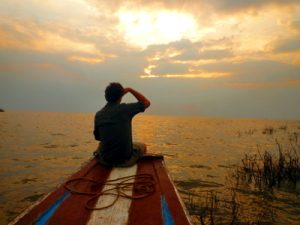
(294, 139)
(250, 131)
(269, 170)
(247, 132)
(283, 127)
(213, 207)
(203, 206)
(268, 130)
(249, 195)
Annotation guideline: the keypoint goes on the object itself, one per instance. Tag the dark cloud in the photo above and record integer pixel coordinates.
(124, 67)
(295, 25)
(82, 89)
(197, 7)
(256, 71)
(257, 103)
(191, 50)
(49, 82)
(114, 5)
(215, 54)
(286, 45)
(36, 80)
(188, 49)
(189, 54)
(184, 45)
(237, 5)
(194, 54)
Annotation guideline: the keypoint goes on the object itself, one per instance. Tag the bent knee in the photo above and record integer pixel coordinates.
(141, 146)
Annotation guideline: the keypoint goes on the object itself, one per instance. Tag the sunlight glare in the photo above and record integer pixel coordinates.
(144, 28)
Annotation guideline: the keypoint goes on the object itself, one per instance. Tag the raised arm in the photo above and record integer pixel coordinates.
(140, 97)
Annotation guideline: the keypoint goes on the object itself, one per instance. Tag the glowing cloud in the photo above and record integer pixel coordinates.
(200, 74)
(144, 28)
(27, 35)
(91, 60)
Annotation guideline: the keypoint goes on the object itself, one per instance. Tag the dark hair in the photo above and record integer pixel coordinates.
(113, 92)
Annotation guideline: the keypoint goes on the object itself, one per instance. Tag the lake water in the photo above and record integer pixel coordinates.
(38, 151)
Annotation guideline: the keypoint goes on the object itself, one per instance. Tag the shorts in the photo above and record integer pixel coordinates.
(138, 151)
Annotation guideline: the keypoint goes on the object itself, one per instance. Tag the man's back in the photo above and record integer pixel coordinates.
(113, 126)
(114, 129)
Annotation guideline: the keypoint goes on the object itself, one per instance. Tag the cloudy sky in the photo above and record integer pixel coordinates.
(226, 58)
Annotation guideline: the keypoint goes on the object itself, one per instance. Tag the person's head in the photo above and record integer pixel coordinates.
(114, 92)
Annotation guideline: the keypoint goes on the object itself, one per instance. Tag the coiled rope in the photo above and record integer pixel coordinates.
(140, 185)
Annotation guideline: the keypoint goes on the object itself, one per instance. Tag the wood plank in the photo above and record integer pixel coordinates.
(118, 213)
(30, 216)
(26, 211)
(168, 190)
(147, 211)
(72, 210)
(164, 206)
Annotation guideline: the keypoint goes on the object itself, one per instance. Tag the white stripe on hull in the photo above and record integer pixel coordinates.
(118, 213)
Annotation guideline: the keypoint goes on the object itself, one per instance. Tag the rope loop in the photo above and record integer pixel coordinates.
(140, 185)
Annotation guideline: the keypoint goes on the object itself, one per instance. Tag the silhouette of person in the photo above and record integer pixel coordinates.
(112, 127)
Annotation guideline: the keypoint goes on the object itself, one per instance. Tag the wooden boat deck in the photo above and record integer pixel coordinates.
(162, 207)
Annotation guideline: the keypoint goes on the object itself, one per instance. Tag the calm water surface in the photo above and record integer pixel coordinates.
(38, 151)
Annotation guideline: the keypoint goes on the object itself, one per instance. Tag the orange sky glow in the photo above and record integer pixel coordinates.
(224, 47)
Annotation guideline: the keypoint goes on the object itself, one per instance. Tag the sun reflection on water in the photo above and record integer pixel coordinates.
(40, 150)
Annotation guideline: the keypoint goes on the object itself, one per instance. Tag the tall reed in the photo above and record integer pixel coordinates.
(270, 170)
(266, 171)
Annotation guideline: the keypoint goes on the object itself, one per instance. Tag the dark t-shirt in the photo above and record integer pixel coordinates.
(113, 129)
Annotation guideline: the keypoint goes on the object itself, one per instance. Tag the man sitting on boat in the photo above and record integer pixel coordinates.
(113, 129)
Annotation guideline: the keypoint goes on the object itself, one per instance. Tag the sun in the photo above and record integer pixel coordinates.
(144, 28)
